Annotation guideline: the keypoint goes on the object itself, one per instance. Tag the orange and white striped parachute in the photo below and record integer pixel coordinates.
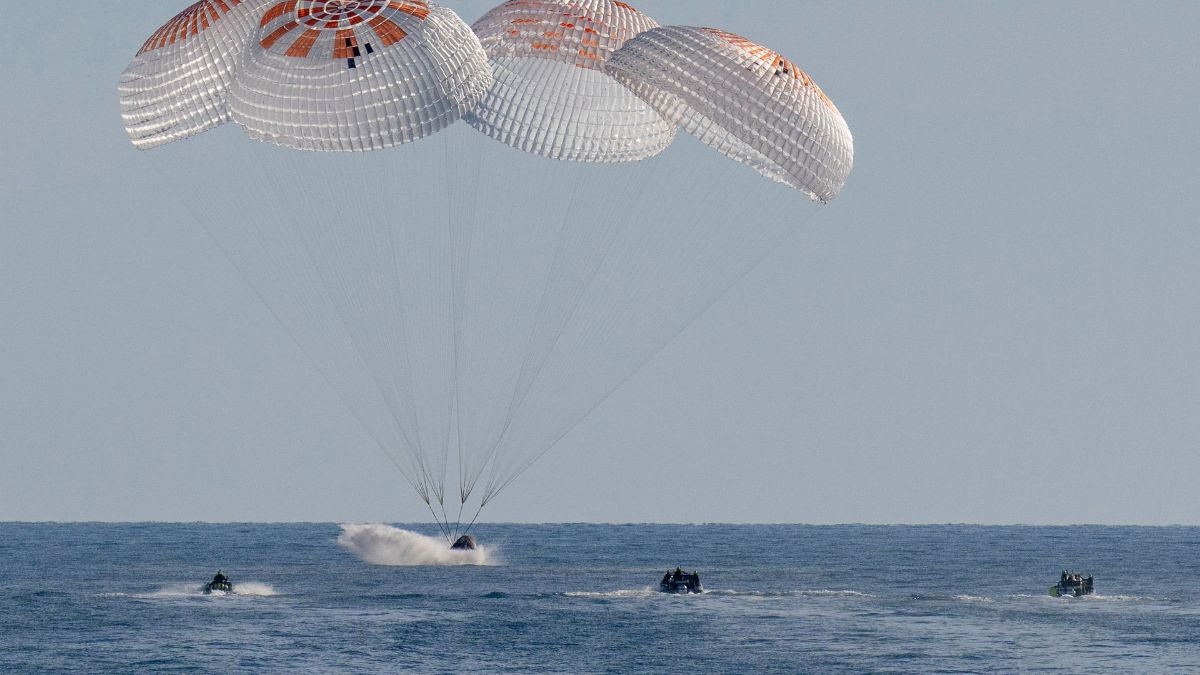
(357, 75)
(550, 95)
(743, 99)
(176, 85)
(308, 74)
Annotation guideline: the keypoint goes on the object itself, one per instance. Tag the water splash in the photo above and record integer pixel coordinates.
(191, 590)
(386, 545)
(253, 588)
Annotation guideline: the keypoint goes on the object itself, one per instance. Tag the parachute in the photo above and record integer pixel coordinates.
(551, 97)
(177, 83)
(745, 100)
(357, 75)
(469, 303)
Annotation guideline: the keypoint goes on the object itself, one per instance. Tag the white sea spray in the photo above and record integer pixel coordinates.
(386, 545)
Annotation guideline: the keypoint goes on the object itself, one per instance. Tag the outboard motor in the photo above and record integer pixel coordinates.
(464, 543)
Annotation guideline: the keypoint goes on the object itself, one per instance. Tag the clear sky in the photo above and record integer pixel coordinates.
(998, 321)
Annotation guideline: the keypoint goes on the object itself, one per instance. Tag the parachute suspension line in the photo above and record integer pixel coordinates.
(497, 484)
(460, 260)
(631, 192)
(390, 288)
(334, 282)
(458, 520)
(466, 228)
(558, 254)
(316, 363)
(339, 314)
(491, 304)
(633, 182)
(482, 504)
(417, 487)
(443, 526)
(402, 344)
(452, 163)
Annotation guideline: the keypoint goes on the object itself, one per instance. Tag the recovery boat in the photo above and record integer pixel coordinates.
(1072, 585)
(220, 583)
(680, 582)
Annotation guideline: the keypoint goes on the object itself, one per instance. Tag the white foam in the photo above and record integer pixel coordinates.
(188, 590)
(629, 593)
(386, 545)
(817, 593)
(1094, 597)
(719, 592)
(173, 591)
(253, 588)
(973, 598)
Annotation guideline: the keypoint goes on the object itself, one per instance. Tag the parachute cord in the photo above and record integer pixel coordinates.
(477, 512)
(355, 337)
(518, 399)
(445, 517)
(444, 528)
(458, 520)
(354, 412)
(490, 493)
(517, 396)
(404, 348)
(632, 191)
(460, 298)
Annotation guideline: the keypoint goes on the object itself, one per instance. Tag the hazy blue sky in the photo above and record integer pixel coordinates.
(998, 321)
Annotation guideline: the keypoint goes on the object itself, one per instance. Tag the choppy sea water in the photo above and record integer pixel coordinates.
(578, 598)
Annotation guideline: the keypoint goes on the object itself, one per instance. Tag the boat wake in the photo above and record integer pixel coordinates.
(1092, 597)
(815, 593)
(648, 592)
(188, 590)
(386, 545)
(254, 588)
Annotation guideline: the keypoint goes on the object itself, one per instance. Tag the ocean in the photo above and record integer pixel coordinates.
(580, 598)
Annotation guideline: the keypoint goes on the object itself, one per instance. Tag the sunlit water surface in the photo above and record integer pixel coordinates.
(578, 598)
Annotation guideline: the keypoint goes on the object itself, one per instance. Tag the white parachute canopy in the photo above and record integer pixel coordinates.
(550, 96)
(470, 304)
(358, 75)
(743, 99)
(176, 85)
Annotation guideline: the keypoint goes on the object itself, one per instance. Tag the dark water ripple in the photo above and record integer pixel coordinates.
(576, 598)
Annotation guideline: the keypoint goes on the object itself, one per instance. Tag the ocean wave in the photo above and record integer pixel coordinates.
(386, 545)
(973, 598)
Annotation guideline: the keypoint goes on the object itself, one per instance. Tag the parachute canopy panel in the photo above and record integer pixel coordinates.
(357, 75)
(743, 99)
(550, 96)
(176, 85)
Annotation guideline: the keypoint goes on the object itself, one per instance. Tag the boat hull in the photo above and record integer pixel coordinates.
(221, 587)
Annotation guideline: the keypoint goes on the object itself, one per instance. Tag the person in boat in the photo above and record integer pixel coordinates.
(666, 581)
(220, 578)
(678, 574)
